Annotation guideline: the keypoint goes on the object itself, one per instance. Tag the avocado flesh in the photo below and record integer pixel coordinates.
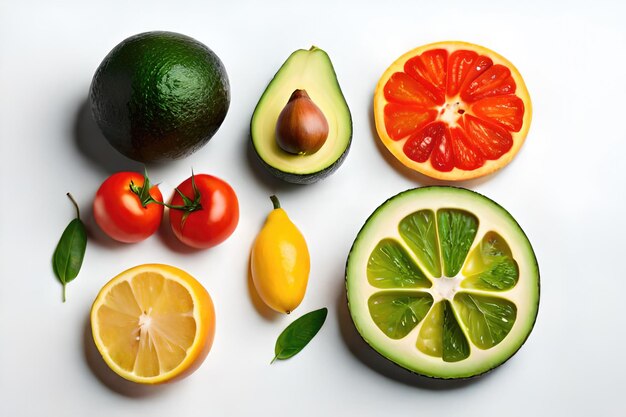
(309, 70)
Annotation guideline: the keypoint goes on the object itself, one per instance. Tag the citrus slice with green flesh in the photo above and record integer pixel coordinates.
(153, 323)
(443, 282)
(452, 110)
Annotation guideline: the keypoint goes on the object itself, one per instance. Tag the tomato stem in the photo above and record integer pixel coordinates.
(143, 192)
(189, 205)
(275, 202)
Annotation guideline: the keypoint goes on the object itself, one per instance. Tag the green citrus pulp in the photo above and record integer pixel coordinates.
(444, 282)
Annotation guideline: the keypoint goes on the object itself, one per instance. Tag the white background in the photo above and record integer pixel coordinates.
(565, 188)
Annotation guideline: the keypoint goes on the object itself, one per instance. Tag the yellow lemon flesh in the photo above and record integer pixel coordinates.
(280, 262)
(153, 323)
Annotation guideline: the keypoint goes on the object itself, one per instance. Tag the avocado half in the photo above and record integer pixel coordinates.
(309, 70)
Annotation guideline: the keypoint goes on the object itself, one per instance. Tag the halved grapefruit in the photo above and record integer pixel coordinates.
(452, 110)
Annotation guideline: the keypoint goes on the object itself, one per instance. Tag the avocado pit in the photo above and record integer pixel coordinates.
(301, 128)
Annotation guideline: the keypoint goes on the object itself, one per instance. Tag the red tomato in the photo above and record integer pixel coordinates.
(214, 221)
(119, 211)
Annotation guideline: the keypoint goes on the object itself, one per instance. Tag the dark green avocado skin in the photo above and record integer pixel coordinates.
(159, 96)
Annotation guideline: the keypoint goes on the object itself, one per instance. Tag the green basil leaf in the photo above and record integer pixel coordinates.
(299, 333)
(70, 251)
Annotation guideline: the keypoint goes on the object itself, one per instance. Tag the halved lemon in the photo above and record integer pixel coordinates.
(452, 110)
(444, 282)
(153, 323)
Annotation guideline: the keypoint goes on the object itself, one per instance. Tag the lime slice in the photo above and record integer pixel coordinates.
(444, 282)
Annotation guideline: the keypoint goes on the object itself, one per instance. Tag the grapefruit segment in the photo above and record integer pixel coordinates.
(419, 146)
(452, 110)
(492, 140)
(402, 88)
(495, 81)
(404, 119)
(430, 66)
(464, 67)
(466, 157)
(442, 157)
(506, 111)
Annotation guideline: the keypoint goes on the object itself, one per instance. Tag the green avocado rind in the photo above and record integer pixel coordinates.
(303, 179)
(430, 373)
(326, 167)
(159, 96)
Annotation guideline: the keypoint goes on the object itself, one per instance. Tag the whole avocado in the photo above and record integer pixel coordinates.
(159, 96)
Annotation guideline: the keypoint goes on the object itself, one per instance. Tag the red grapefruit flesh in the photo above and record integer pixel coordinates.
(452, 110)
